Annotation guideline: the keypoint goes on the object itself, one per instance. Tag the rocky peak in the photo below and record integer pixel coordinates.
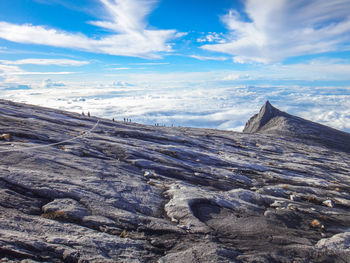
(271, 120)
(266, 113)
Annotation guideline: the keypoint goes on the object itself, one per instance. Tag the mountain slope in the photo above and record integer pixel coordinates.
(271, 120)
(80, 189)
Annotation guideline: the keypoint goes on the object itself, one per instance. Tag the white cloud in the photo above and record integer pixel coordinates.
(279, 29)
(234, 76)
(8, 73)
(15, 86)
(316, 70)
(45, 62)
(121, 68)
(208, 58)
(188, 99)
(12, 73)
(121, 84)
(41, 73)
(150, 63)
(7, 69)
(48, 83)
(211, 37)
(126, 21)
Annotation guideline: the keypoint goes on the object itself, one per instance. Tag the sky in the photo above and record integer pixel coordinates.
(199, 63)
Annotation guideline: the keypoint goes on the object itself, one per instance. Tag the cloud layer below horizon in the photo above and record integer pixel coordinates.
(221, 107)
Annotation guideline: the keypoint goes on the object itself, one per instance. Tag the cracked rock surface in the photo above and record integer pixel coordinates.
(82, 189)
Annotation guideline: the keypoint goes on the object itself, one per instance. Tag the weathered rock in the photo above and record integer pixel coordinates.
(79, 189)
(328, 203)
(204, 251)
(68, 208)
(338, 245)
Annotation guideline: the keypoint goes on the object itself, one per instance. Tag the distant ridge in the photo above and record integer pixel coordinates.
(271, 120)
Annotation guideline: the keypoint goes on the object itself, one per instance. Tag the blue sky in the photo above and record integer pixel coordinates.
(202, 63)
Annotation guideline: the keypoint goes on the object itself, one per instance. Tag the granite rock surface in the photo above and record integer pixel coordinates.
(83, 189)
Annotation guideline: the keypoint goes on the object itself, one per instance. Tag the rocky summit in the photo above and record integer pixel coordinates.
(76, 188)
(273, 121)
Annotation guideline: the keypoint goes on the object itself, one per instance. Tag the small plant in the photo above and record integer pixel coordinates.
(5, 137)
(312, 199)
(123, 234)
(154, 175)
(150, 182)
(62, 147)
(316, 223)
(55, 215)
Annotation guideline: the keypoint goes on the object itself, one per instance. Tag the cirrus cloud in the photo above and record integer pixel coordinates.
(45, 62)
(126, 21)
(209, 58)
(11, 73)
(278, 29)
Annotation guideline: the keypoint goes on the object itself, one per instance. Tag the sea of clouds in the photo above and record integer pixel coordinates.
(223, 107)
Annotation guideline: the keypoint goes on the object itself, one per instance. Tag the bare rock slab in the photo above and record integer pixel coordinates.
(76, 188)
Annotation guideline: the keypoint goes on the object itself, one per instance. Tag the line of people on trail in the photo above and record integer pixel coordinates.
(128, 120)
(89, 115)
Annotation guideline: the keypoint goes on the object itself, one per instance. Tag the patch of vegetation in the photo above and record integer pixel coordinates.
(61, 147)
(5, 137)
(312, 199)
(123, 234)
(55, 215)
(316, 223)
(114, 152)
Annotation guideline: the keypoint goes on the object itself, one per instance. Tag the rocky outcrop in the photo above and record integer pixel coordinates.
(82, 189)
(260, 121)
(271, 120)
